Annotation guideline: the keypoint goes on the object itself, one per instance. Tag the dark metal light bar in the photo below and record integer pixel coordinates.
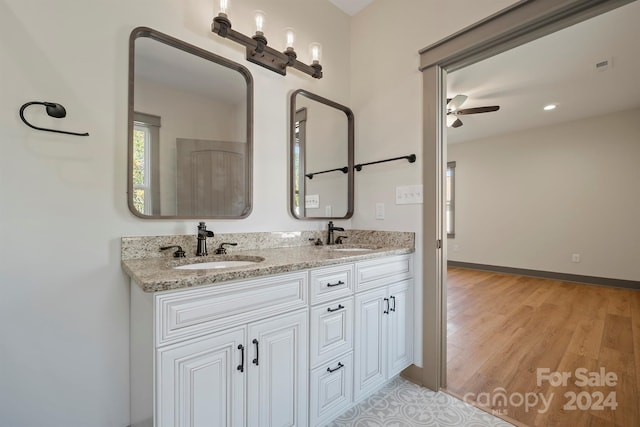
(259, 53)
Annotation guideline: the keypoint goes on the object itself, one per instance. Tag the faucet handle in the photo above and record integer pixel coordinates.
(317, 242)
(177, 254)
(222, 250)
(339, 239)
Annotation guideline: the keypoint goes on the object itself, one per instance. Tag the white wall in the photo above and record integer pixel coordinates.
(65, 300)
(532, 199)
(386, 98)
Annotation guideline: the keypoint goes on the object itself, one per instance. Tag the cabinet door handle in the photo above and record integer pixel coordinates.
(386, 311)
(331, 285)
(340, 365)
(331, 310)
(394, 303)
(241, 365)
(255, 361)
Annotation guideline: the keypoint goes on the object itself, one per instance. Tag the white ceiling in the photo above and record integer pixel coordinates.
(351, 7)
(558, 68)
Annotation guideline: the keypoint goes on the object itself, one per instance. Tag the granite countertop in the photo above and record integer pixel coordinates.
(158, 273)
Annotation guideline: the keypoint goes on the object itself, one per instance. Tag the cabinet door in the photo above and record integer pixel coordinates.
(400, 328)
(199, 383)
(370, 347)
(278, 371)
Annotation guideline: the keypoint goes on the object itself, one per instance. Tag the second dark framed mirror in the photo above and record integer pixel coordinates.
(321, 157)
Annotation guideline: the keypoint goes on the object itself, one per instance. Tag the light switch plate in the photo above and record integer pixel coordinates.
(312, 201)
(409, 195)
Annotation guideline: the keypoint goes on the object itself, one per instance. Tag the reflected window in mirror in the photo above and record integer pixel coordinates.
(321, 158)
(298, 148)
(146, 140)
(190, 131)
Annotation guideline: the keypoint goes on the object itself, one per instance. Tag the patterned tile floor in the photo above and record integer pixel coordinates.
(402, 404)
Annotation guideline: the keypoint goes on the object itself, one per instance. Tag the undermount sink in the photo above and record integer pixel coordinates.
(223, 262)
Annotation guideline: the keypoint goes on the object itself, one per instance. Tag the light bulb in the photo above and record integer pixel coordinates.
(224, 6)
(316, 52)
(259, 15)
(291, 38)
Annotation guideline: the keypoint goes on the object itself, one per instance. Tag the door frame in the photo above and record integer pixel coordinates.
(520, 23)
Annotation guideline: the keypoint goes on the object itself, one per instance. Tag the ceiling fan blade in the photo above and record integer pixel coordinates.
(477, 110)
(457, 123)
(455, 102)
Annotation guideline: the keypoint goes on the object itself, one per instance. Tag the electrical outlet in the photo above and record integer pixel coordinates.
(379, 210)
(312, 201)
(327, 211)
(575, 257)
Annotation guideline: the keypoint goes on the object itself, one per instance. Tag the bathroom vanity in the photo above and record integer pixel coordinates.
(293, 338)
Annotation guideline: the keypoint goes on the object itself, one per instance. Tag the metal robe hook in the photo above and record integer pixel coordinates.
(53, 110)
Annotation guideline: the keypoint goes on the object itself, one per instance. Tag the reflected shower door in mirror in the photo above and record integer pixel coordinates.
(190, 131)
(321, 151)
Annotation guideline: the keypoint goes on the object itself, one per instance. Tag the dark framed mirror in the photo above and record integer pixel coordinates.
(321, 158)
(190, 131)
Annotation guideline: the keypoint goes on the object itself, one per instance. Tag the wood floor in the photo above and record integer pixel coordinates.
(503, 328)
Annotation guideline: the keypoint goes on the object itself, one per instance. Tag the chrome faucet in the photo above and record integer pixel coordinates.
(330, 230)
(203, 233)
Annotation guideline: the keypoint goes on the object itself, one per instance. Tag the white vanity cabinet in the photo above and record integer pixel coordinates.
(383, 322)
(234, 354)
(293, 349)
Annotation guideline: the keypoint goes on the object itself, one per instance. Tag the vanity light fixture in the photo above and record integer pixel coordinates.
(260, 53)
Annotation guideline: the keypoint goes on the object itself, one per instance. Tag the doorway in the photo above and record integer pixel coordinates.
(523, 22)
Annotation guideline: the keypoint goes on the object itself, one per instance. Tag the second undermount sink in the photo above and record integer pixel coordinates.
(228, 261)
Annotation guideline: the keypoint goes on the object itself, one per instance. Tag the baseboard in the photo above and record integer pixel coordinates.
(413, 374)
(565, 277)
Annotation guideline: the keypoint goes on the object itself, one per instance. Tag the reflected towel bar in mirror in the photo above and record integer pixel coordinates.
(344, 169)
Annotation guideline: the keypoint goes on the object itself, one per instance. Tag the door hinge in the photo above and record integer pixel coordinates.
(439, 243)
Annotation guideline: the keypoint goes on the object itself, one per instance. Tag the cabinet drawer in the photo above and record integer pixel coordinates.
(331, 330)
(331, 389)
(189, 313)
(380, 272)
(330, 283)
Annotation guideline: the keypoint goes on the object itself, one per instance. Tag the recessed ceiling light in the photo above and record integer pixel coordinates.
(550, 107)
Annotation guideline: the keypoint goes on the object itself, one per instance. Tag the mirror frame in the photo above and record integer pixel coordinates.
(350, 153)
(150, 33)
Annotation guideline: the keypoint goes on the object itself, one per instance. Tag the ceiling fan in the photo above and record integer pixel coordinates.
(453, 110)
